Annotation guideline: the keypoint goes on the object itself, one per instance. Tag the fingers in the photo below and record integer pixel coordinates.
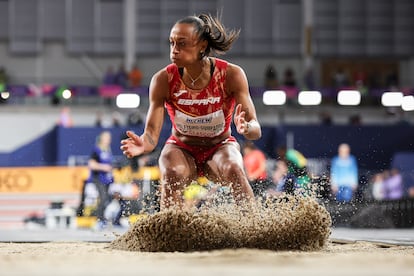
(124, 141)
(239, 114)
(135, 138)
(131, 135)
(131, 146)
(126, 151)
(239, 119)
(238, 109)
(125, 144)
(243, 129)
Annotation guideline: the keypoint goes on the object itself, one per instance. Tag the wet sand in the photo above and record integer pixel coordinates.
(83, 258)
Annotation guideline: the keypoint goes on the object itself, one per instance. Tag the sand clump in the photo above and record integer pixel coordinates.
(286, 223)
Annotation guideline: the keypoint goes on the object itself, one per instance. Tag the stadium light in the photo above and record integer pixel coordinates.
(66, 94)
(349, 97)
(309, 98)
(392, 98)
(408, 103)
(5, 95)
(274, 97)
(127, 100)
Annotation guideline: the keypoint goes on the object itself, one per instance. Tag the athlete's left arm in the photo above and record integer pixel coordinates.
(245, 117)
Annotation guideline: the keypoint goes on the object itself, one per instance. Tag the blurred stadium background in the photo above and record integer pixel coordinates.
(51, 47)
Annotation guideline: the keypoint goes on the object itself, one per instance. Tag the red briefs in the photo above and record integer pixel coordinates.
(200, 153)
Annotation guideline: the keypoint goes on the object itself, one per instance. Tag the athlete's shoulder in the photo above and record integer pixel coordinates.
(221, 63)
(159, 80)
(171, 68)
(231, 69)
(234, 71)
(229, 66)
(161, 74)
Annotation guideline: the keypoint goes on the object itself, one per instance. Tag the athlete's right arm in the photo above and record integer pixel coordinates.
(136, 145)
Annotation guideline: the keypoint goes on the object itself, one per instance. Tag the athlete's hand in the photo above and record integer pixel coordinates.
(240, 121)
(133, 145)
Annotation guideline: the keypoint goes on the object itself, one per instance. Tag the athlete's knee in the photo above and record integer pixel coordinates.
(175, 174)
(231, 169)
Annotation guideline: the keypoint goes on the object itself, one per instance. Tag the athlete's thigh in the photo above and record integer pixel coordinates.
(174, 158)
(226, 154)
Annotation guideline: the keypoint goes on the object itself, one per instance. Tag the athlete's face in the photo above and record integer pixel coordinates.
(185, 46)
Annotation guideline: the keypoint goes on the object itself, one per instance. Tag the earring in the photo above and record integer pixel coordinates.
(201, 54)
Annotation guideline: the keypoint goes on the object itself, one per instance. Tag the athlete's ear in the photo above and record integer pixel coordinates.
(203, 45)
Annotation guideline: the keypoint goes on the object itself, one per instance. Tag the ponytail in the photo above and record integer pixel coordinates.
(213, 31)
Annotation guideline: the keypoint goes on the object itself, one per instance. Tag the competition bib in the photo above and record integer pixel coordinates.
(209, 125)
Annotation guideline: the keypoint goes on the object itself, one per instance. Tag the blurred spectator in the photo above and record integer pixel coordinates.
(297, 177)
(360, 78)
(325, 118)
(65, 117)
(255, 162)
(344, 174)
(360, 83)
(135, 118)
(113, 209)
(124, 194)
(4, 79)
(121, 76)
(340, 79)
(146, 174)
(99, 119)
(89, 200)
(279, 180)
(100, 173)
(411, 192)
(374, 81)
(116, 119)
(392, 80)
(309, 79)
(271, 81)
(289, 78)
(355, 120)
(135, 77)
(109, 77)
(378, 186)
(392, 185)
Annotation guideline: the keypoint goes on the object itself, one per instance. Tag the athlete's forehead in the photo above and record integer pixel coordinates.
(182, 31)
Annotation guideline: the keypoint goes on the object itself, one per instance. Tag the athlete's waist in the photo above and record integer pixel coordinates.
(202, 141)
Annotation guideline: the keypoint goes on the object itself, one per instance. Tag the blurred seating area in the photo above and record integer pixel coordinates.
(20, 94)
(55, 94)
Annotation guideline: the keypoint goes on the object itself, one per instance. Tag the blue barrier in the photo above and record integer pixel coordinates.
(374, 146)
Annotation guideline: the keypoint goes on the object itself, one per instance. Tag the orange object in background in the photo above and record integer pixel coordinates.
(42, 179)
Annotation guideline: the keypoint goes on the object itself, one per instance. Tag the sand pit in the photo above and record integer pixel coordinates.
(81, 258)
(292, 239)
(291, 222)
